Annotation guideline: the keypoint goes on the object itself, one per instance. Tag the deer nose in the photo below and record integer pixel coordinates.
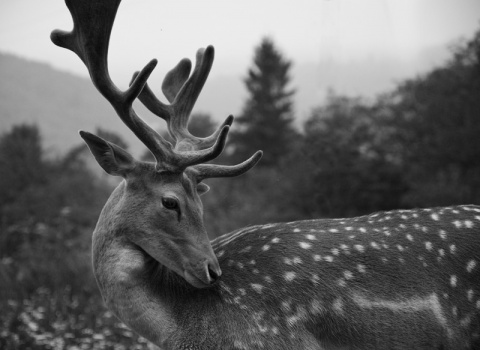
(214, 272)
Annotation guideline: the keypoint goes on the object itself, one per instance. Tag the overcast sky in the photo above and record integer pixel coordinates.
(306, 31)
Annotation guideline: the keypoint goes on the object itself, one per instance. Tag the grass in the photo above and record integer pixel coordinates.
(64, 320)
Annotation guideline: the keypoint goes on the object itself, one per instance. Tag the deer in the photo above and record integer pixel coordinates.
(401, 279)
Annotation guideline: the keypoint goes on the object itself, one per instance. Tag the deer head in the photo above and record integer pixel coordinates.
(157, 207)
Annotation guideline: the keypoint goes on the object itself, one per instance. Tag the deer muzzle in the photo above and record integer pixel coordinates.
(203, 273)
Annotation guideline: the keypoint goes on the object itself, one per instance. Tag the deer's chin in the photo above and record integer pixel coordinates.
(195, 281)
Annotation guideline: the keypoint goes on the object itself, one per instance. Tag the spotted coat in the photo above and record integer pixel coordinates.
(407, 279)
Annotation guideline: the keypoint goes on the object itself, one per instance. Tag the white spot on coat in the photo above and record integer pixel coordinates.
(257, 287)
(471, 265)
(359, 247)
(297, 260)
(289, 276)
(337, 305)
(361, 268)
(442, 234)
(304, 245)
(428, 246)
(286, 305)
(453, 281)
(316, 307)
(453, 249)
(246, 249)
(434, 216)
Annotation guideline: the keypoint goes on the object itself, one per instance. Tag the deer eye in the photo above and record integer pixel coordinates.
(170, 203)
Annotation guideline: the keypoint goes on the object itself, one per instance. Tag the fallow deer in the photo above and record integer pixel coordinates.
(405, 279)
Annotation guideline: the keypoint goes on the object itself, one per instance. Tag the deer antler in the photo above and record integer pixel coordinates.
(89, 39)
(182, 92)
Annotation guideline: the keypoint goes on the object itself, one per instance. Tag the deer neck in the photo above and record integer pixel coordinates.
(133, 285)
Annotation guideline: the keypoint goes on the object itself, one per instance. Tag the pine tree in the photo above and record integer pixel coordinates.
(266, 119)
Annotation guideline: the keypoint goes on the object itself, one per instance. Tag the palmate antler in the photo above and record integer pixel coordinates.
(93, 21)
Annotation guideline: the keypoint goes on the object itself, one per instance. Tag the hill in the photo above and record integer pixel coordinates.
(58, 102)
(62, 103)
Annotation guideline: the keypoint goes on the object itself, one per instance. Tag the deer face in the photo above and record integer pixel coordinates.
(169, 224)
(161, 213)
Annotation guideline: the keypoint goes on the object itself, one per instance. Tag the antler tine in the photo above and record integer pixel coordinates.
(89, 39)
(182, 92)
(205, 171)
(189, 158)
(175, 78)
(172, 83)
(189, 92)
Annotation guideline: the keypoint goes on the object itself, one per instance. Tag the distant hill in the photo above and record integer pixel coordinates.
(62, 103)
(58, 102)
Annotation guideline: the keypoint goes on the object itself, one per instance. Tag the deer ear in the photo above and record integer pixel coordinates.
(202, 188)
(112, 158)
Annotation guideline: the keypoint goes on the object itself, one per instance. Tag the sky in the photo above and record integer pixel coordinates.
(308, 32)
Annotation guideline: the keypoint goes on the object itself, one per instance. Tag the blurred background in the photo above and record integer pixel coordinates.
(358, 107)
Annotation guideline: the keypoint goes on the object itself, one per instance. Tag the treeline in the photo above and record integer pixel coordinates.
(415, 146)
(48, 209)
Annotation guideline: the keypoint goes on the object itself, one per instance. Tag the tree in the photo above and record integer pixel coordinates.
(266, 120)
(437, 118)
(21, 163)
(342, 167)
(48, 208)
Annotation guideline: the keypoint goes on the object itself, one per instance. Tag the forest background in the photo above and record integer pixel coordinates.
(417, 145)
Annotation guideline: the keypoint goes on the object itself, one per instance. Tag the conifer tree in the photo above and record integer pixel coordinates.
(266, 120)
